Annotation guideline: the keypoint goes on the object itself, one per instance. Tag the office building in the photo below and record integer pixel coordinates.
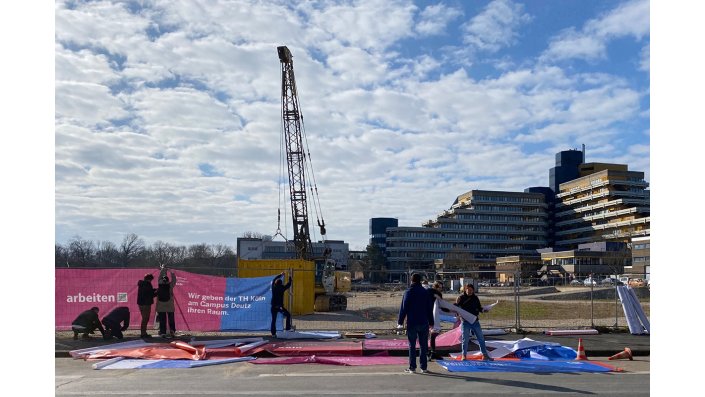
(607, 202)
(479, 226)
(256, 248)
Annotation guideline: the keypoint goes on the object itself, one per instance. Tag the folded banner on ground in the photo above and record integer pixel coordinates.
(532, 366)
(203, 303)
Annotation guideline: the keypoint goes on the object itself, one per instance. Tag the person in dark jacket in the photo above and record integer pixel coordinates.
(165, 306)
(417, 309)
(278, 289)
(469, 302)
(145, 298)
(86, 323)
(113, 328)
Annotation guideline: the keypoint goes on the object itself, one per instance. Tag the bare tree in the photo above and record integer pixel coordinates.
(263, 237)
(167, 254)
(81, 252)
(61, 256)
(132, 247)
(223, 256)
(107, 254)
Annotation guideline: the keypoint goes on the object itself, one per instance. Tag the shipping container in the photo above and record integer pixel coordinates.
(302, 289)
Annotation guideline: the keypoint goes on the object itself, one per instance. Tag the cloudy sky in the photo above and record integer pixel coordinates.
(167, 113)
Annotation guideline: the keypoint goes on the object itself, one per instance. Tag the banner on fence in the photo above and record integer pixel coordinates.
(203, 303)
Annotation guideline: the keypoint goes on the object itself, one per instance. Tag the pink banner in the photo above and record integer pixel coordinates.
(77, 290)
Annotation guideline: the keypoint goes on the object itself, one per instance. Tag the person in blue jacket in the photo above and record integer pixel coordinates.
(417, 309)
(278, 302)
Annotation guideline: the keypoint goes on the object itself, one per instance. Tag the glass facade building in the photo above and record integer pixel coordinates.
(479, 226)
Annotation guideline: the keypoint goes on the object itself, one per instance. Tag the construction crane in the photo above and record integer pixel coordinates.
(329, 282)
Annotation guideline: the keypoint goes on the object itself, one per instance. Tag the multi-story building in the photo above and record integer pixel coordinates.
(585, 203)
(603, 258)
(524, 266)
(378, 231)
(641, 256)
(607, 202)
(256, 248)
(479, 226)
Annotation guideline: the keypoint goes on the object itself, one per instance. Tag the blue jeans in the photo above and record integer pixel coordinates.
(412, 332)
(474, 327)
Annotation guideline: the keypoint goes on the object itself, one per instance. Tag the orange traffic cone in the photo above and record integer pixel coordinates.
(627, 353)
(581, 351)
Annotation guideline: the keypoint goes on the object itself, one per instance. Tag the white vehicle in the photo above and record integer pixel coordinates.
(590, 281)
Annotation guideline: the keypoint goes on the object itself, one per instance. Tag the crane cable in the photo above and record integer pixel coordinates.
(316, 202)
(280, 181)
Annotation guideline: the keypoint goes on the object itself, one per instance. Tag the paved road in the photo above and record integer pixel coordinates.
(77, 378)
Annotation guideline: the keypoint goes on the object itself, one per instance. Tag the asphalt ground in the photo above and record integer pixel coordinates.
(77, 378)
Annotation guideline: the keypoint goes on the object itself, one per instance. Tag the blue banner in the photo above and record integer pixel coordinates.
(248, 305)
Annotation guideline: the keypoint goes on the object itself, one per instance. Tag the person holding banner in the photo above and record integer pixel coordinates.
(165, 303)
(278, 302)
(435, 294)
(145, 298)
(469, 302)
(86, 323)
(120, 314)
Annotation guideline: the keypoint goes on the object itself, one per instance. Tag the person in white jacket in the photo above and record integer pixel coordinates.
(435, 292)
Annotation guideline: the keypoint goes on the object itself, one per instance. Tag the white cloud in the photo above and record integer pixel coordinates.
(393, 129)
(368, 24)
(87, 103)
(434, 18)
(496, 26)
(628, 19)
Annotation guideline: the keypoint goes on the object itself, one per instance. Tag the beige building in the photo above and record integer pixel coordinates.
(582, 263)
(641, 256)
(606, 203)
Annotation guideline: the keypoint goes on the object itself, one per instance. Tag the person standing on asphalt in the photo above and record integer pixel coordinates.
(417, 309)
(120, 314)
(435, 293)
(278, 302)
(86, 323)
(165, 303)
(145, 298)
(469, 302)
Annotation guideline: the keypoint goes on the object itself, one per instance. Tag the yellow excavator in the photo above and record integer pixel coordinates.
(330, 282)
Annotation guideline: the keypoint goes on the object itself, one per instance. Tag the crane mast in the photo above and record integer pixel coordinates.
(295, 155)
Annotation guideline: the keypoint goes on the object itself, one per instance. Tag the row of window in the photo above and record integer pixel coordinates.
(641, 259)
(462, 236)
(448, 246)
(499, 218)
(641, 246)
(501, 208)
(499, 228)
(509, 199)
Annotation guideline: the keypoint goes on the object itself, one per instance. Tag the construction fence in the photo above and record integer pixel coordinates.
(530, 303)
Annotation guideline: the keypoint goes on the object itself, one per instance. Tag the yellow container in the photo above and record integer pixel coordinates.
(302, 288)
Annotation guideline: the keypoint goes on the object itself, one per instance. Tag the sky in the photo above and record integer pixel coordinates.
(167, 113)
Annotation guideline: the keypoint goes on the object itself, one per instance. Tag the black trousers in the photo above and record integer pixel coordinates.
(162, 317)
(434, 335)
(275, 312)
(112, 329)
